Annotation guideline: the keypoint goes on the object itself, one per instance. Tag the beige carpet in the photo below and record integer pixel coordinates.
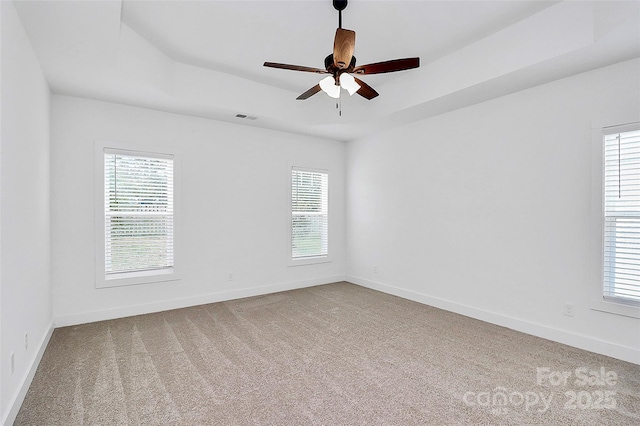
(336, 354)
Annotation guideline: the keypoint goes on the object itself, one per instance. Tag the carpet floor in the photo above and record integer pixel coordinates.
(337, 354)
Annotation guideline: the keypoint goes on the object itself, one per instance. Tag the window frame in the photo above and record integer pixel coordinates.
(102, 279)
(598, 300)
(300, 261)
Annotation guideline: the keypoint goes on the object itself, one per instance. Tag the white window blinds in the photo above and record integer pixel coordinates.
(309, 213)
(622, 217)
(138, 212)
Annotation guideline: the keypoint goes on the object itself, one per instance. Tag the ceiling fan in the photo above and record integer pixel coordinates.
(341, 64)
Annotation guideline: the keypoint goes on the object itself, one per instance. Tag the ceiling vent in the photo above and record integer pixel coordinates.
(245, 116)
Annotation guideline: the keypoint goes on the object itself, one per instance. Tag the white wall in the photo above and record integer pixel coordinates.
(25, 216)
(234, 208)
(486, 210)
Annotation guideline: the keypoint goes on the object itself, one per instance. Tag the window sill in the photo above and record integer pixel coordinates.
(599, 304)
(309, 260)
(134, 278)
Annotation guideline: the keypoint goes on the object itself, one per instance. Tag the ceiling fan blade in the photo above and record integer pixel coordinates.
(306, 95)
(365, 90)
(388, 66)
(295, 67)
(343, 45)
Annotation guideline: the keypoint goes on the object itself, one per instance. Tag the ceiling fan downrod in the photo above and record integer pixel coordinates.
(340, 5)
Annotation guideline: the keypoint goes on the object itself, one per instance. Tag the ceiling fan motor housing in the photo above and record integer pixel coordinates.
(328, 62)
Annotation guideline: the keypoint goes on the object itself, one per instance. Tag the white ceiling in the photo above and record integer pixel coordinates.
(204, 58)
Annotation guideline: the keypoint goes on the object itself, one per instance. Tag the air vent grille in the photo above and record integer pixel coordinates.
(245, 116)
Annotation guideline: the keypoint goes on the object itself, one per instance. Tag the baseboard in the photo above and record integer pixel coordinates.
(14, 406)
(164, 305)
(580, 341)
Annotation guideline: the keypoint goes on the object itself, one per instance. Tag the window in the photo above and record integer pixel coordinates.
(135, 231)
(309, 215)
(622, 217)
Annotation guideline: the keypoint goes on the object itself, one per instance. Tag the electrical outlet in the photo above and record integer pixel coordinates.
(26, 341)
(230, 278)
(13, 363)
(568, 309)
(375, 269)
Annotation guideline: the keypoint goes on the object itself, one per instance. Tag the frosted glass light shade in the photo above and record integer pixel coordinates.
(348, 83)
(328, 85)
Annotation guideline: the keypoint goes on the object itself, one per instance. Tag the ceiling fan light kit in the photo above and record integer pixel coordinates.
(328, 85)
(348, 83)
(341, 64)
